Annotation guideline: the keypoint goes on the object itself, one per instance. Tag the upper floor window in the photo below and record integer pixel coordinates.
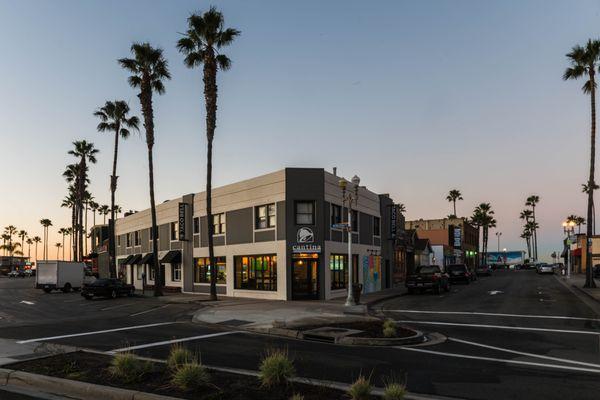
(128, 236)
(136, 238)
(196, 225)
(219, 223)
(174, 229)
(336, 214)
(376, 226)
(118, 240)
(354, 221)
(305, 213)
(265, 216)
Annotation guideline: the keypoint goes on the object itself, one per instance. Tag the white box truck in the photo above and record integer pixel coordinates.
(59, 275)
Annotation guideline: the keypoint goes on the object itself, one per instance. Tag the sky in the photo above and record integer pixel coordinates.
(415, 97)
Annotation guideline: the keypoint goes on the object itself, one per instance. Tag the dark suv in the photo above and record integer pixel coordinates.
(112, 288)
(428, 277)
(460, 273)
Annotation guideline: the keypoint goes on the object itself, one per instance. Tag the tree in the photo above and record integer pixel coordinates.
(583, 64)
(401, 208)
(58, 246)
(64, 232)
(29, 242)
(94, 209)
(585, 189)
(36, 240)
(45, 224)
(200, 45)
(452, 197)
(149, 69)
(115, 119)
(104, 210)
(483, 218)
(532, 202)
(22, 235)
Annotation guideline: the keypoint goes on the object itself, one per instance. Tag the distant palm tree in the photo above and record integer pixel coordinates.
(104, 210)
(64, 232)
(58, 246)
(585, 189)
(583, 64)
(36, 240)
(532, 202)
(70, 201)
(94, 209)
(149, 69)
(5, 239)
(118, 210)
(29, 242)
(205, 36)
(483, 219)
(402, 208)
(527, 236)
(452, 197)
(45, 223)
(22, 234)
(114, 118)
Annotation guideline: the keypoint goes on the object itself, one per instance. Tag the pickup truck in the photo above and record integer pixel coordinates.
(428, 277)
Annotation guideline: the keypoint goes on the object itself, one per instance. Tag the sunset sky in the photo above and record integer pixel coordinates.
(417, 98)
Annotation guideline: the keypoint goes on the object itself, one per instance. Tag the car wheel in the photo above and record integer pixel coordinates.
(113, 294)
(66, 288)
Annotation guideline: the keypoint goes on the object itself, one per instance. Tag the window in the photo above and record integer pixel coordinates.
(157, 233)
(136, 238)
(129, 240)
(256, 272)
(174, 230)
(336, 214)
(151, 273)
(196, 225)
(338, 266)
(376, 226)
(139, 271)
(219, 224)
(176, 272)
(305, 213)
(265, 216)
(202, 270)
(354, 221)
(118, 240)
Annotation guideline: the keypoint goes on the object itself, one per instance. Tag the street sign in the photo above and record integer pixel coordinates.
(340, 226)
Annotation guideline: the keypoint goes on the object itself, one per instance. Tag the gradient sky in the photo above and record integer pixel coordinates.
(415, 97)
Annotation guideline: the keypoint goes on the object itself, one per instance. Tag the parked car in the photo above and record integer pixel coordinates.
(544, 268)
(428, 277)
(16, 274)
(460, 273)
(484, 270)
(112, 288)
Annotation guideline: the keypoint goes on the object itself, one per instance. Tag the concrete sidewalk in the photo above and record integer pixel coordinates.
(576, 281)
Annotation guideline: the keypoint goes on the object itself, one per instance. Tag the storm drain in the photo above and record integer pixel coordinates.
(328, 334)
(234, 322)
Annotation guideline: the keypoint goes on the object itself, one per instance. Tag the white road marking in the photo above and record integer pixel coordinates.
(495, 292)
(126, 328)
(514, 328)
(165, 342)
(502, 360)
(495, 314)
(117, 306)
(564, 360)
(150, 310)
(27, 302)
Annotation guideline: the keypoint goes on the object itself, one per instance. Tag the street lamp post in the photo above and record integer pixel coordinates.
(498, 234)
(569, 229)
(350, 196)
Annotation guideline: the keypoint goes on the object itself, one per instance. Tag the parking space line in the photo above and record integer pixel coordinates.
(564, 360)
(126, 328)
(150, 310)
(117, 306)
(502, 360)
(165, 342)
(494, 314)
(514, 328)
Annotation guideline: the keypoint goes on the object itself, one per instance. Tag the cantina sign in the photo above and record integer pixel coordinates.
(181, 221)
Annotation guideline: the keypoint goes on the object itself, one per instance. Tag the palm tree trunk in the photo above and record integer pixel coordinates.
(589, 278)
(454, 205)
(535, 246)
(210, 98)
(63, 246)
(113, 189)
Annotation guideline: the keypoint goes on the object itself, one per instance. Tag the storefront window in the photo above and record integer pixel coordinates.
(139, 271)
(176, 272)
(338, 266)
(256, 272)
(202, 270)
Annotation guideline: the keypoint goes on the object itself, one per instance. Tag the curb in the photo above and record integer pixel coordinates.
(581, 294)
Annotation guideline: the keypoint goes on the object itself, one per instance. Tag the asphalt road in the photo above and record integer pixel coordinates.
(510, 336)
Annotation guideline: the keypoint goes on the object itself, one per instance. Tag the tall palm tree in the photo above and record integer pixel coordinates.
(64, 232)
(36, 240)
(117, 209)
(527, 236)
(583, 64)
(401, 208)
(58, 246)
(70, 201)
(149, 69)
(585, 189)
(483, 219)
(532, 202)
(104, 210)
(200, 45)
(94, 209)
(22, 234)
(29, 242)
(5, 239)
(114, 118)
(45, 223)
(10, 230)
(452, 197)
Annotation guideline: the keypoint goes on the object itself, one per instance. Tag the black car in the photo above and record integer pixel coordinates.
(484, 270)
(428, 277)
(107, 288)
(460, 273)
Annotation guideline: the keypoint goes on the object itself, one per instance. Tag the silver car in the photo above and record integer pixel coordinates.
(545, 269)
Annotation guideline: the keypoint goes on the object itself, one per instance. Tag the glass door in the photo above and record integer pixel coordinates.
(305, 279)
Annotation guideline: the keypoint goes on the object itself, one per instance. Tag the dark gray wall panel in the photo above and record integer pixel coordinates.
(219, 240)
(264, 236)
(145, 237)
(240, 225)
(206, 289)
(327, 216)
(281, 220)
(196, 240)
(204, 231)
(365, 228)
(337, 236)
(176, 245)
(164, 237)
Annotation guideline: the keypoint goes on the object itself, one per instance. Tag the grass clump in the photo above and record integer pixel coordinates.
(179, 356)
(190, 376)
(389, 328)
(276, 368)
(360, 389)
(128, 368)
(394, 391)
(297, 396)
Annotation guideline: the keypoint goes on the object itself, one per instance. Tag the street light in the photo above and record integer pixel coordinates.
(568, 230)
(350, 196)
(498, 234)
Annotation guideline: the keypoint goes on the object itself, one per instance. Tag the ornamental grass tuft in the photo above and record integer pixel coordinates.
(389, 328)
(360, 389)
(179, 356)
(276, 368)
(128, 368)
(190, 376)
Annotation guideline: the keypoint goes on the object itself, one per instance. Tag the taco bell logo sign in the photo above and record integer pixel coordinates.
(305, 235)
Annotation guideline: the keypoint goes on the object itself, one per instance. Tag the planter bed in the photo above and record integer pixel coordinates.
(93, 368)
(370, 328)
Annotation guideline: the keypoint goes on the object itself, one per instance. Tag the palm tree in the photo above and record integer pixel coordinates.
(117, 209)
(58, 246)
(22, 234)
(64, 232)
(585, 189)
(5, 239)
(10, 231)
(29, 242)
(45, 223)
(583, 64)
(527, 235)
(70, 201)
(149, 69)
(94, 208)
(483, 218)
(452, 197)
(401, 208)
(200, 45)
(36, 240)
(532, 201)
(104, 210)
(114, 118)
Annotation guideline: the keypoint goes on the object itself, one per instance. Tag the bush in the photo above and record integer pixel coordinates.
(190, 376)
(360, 389)
(179, 356)
(394, 391)
(389, 328)
(276, 368)
(128, 368)
(297, 396)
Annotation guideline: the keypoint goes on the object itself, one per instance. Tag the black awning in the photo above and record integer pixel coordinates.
(147, 259)
(135, 259)
(125, 261)
(172, 257)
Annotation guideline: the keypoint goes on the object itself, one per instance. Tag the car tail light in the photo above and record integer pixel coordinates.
(435, 277)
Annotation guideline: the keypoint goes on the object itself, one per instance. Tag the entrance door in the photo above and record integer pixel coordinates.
(305, 279)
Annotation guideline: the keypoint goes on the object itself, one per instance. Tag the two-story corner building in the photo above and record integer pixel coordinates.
(273, 236)
(453, 240)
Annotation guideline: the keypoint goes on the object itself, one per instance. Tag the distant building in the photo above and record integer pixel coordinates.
(99, 246)
(8, 263)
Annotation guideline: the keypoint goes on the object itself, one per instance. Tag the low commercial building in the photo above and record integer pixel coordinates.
(276, 236)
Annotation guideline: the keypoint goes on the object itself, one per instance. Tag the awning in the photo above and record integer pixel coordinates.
(125, 261)
(172, 257)
(147, 259)
(135, 259)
